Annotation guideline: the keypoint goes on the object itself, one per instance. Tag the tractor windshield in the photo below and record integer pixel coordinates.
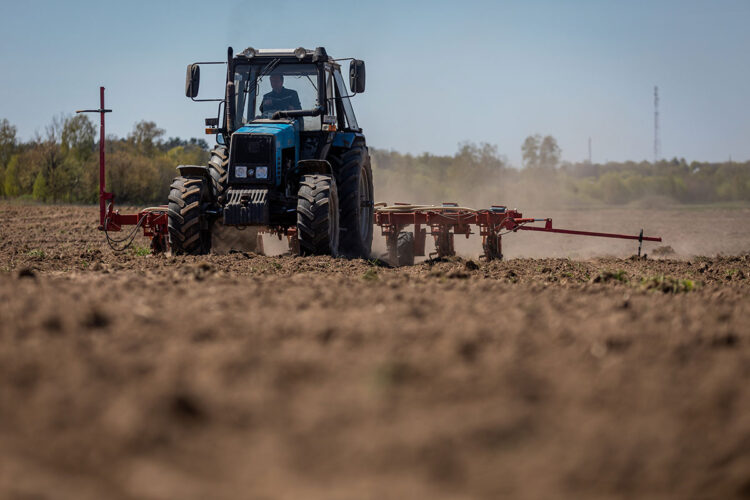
(261, 90)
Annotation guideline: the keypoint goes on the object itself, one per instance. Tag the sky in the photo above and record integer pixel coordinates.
(438, 73)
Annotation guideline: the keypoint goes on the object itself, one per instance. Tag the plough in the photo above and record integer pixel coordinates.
(448, 220)
(444, 222)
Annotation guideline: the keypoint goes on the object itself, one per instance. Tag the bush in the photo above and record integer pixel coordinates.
(10, 182)
(40, 192)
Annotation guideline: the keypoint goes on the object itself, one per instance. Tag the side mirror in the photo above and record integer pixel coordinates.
(192, 80)
(357, 76)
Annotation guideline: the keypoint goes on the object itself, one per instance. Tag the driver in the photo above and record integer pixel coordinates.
(280, 98)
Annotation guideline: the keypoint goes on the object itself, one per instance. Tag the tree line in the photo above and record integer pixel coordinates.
(477, 174)
(61, 165)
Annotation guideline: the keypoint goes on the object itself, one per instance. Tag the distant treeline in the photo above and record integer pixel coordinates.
(61, 165)
(479, 175)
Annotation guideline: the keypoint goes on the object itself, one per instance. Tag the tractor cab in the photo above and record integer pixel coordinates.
(314, 91)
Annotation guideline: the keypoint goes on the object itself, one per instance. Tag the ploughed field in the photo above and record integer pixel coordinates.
(246, 376)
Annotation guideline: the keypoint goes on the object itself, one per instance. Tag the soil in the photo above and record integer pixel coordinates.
(127, 375)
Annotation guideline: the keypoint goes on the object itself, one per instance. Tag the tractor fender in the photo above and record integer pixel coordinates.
(344, 140)
(311, 167)
(307, 167)
(194, 170)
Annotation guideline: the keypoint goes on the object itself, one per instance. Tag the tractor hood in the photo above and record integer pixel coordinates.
(285, 132)
(262, 147)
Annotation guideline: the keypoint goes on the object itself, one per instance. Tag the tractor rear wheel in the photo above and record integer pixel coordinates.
(217, 168)
(318, 216)
(354, 179)
(189, 227)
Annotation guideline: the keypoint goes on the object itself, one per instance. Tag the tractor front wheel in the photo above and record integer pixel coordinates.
(189, 227)
(217, 169)
(318, 215)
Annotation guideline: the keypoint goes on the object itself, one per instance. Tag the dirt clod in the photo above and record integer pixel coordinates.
(187, 408)
(95, 319)
(26, 272)
(663, 250)
(471, 265)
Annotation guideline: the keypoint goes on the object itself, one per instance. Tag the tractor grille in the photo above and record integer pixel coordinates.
(246, 207)
(252, 150)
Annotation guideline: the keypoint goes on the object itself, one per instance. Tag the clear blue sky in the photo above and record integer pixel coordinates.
(438, 72)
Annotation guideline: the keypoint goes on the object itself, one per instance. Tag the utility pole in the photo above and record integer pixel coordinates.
(589, 150)
(657, 143)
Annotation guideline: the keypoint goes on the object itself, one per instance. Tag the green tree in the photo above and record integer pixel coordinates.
(7, 141)
(613, 189)
(40, 188)
(540, 152)
(549, 153)
(146, 136)
(10, 183)
(49, 157)
(530, 151)
(78, 136)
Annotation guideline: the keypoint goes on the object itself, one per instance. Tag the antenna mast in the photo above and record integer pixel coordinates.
(657, 142)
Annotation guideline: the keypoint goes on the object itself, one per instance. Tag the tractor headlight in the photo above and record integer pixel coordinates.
(249, 52)
(240, 172)
(261, 172)
(300, 52)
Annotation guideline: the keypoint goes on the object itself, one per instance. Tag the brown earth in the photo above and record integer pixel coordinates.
(245, 376)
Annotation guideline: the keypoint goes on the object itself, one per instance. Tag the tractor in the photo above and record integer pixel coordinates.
(290, 158)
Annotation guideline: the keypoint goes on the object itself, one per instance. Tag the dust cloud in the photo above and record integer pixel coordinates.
(688, 230)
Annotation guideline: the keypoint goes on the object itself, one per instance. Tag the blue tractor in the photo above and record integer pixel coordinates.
(290, 157)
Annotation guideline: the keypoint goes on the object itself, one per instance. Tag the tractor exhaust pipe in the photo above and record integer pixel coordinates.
(228, 104)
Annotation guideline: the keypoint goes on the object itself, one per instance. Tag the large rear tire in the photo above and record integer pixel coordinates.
(355, 190)
(189, 227)
(318, 216)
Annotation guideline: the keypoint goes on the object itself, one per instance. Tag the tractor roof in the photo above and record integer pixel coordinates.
(301, 53)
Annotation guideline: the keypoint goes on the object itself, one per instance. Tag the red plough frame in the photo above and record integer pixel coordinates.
(448, 220)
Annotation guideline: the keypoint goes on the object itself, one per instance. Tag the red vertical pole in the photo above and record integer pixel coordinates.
(102, 207)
